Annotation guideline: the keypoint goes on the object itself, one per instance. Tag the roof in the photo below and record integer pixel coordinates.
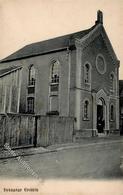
(47, 46)
(6, 71)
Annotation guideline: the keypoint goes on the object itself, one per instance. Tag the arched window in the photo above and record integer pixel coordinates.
(55, 72)
(54, 88)
(54, 85)
(86, 110)
(31, 75)
(87, 74)
(111, 112)
(112, 81)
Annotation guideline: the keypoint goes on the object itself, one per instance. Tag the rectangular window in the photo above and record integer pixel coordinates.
(31, 90)
(55, 79)
(32, 81)
(30, 105)
(54, 103)
(54, 87)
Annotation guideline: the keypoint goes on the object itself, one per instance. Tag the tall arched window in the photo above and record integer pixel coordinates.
(54, 88)
(31, 90)
(87, 73)
(31, 75)
(55, 72)
(112, 81)
(54, 76)
(86, 110)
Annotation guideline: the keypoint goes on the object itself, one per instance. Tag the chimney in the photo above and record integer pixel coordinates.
(99, 17)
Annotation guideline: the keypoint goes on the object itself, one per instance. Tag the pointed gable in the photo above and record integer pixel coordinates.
(95, 32)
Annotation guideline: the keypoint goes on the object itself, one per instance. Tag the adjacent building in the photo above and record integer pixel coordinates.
(121, 105)
(10, 83)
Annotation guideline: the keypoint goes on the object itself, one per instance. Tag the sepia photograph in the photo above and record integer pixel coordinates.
(61, 97)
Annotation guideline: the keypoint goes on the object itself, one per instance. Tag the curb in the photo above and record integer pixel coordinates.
(61, 148)
(28, 154)
(86, 145)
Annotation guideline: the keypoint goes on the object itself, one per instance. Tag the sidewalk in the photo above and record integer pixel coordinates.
(5, 154)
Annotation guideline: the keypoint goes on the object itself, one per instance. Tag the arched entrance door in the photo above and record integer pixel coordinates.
(101, 115)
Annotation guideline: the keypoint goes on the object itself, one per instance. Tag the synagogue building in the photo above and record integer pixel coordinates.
(75, 75)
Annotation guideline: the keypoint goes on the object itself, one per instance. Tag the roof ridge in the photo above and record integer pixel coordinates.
(48, 45)
(62, 36)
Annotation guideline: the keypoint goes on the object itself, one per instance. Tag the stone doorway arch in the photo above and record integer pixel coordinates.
(101, 115)
(100, 99)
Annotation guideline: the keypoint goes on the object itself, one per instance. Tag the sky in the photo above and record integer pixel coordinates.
(26, 21)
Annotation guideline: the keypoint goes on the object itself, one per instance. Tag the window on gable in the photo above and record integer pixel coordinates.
(87, 73)
(31, 75)
(86, 110)
(30, 104)
(112, 81)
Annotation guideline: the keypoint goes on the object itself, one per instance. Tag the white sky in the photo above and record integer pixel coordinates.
(26, 21)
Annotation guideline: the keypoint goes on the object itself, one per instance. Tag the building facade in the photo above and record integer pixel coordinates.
(76, 75)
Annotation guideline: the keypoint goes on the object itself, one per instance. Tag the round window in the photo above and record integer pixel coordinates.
(100, 64)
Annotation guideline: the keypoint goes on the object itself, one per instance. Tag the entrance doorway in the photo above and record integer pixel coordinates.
(101, 116)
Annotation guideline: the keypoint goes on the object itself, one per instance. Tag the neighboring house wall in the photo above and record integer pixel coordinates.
(10, 91)
(121, 105)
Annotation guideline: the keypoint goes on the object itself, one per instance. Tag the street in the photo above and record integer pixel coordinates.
(97, 161)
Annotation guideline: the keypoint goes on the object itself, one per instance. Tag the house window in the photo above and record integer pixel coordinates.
(86, 110)
(30, 104)
(111, 112)
(54, 86)
(31, 75)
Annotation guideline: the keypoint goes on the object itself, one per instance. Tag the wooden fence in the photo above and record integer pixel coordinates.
(17, 130)
(28, 130)
(52, 130)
